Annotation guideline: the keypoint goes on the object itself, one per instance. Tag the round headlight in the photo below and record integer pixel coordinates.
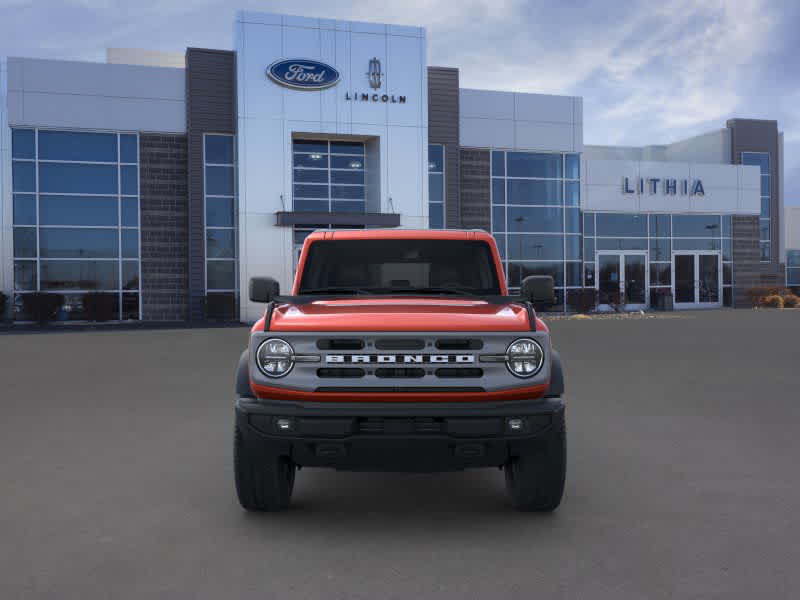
(275, 357)
(524, 357)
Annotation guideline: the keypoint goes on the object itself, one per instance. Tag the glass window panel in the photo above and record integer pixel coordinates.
(498, 191)
(793, 277)
(727, 226)
(765, 185)
(310, 191)
(219, 212)
(23, 143)
(221, 275)
(315, 160)
(624, 225)
(535, 247)
(763, 229)
(517, 271)
(572, 191)
(130, 243)
(310, 146)
(765, 208)
(727, 249)
(24, 209)
(347, 192)
(695, 244)
(130, 274)
(727, 273)
(77, 210)
(727, 297)
(765, 251)
(219, 181)
(347, 148)
(357, 177)
(501, 245)
(130, 307)
(311, 205)
(436, 187)
(588, 274)
(572, 246)
(78, 146)
(129, 183)
(573, 274)
(793, 258)
(572, 220)
(498, 218)
(128, 148)
(311, 175)
(522, 191)
(79, 275)
(588, 249)
(498, 163)
(220, 243)
(436, 215)
(532, 164)
(25, 242)
(536, 219)
(660, 274)
(348, 206)
(435, 158)
(219, 149)
(573, 166)
(621, 244)
(696, 225)
(660, 249)
(130, 212)
(77, 179)
(759, 159)
(342, 162)
(588, 224)
(25, 275)
(56, 242)
(660, 226)
(23, 176)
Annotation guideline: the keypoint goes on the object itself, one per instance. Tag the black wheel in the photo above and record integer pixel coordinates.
(261, 483)
(535, 480)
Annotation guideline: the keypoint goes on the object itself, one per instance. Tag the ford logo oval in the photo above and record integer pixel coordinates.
(303, 74)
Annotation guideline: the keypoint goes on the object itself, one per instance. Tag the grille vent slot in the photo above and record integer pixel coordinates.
(459, 344)
(340, 372)
(459, 372)
(389, 372)
(399, 344)
(379, 425)
(340, 344)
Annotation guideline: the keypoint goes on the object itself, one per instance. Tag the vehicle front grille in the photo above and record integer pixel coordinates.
(399, 344)
(399, 372)
(340, 344)
(400, 426)
(457, 372)
(341, 372)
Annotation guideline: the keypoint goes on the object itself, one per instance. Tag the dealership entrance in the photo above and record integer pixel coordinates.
(697, 279)
(622, 280)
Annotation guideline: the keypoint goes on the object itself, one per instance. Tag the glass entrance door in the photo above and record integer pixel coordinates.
(697, 280)
(622, 280)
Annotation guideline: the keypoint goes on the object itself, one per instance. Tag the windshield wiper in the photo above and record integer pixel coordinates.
(337, 290)
(433, 290)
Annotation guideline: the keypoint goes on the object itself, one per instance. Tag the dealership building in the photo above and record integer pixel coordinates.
(168, 180)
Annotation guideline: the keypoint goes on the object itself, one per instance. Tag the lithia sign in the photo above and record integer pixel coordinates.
(306, 74)
(667, 186)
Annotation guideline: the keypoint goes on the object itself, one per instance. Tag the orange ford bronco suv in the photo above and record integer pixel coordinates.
(400, 350)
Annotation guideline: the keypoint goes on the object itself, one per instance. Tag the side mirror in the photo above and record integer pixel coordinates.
(263, 289)
(538, 290)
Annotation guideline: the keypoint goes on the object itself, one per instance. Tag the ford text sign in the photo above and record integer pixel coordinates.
(303, 74)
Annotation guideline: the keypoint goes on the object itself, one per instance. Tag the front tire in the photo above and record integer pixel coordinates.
(263, 483)
(535, 479)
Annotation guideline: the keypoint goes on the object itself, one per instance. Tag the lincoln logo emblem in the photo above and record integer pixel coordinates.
(374, 74)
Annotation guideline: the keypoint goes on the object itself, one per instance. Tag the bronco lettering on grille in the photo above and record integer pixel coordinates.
(400, 358)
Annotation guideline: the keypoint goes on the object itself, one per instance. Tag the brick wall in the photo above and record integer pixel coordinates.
(475, 196)
(165, 227)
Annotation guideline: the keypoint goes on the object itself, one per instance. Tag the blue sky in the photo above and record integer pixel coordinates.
(649, 72)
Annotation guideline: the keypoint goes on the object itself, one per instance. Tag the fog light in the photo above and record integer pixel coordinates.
(284, 424)
(516, 424)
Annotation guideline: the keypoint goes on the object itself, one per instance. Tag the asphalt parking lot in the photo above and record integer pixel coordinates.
(683, 477)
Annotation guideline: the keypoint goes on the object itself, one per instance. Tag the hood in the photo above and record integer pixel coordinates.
(400, 314)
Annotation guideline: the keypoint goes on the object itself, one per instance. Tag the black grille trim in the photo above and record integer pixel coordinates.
(459, 344)
(399, 389)
(399, 344)
(340, 372)
(456, 372)
(340, 344)
(387, 372)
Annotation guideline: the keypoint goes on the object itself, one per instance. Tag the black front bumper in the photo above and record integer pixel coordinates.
(401, 436)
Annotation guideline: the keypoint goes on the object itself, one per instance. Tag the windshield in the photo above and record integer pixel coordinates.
(399, 266)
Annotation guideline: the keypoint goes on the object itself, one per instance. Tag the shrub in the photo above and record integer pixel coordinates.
(3, 306)
(41, 306)
(790, 301)
(99, 306)
(773, 301)
(758, 295)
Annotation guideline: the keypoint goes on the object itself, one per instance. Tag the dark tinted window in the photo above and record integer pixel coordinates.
(78, 243)
(529, 164)
(24, 209)
(80, 275)
(23, 176)
(532, 191)
(696, 225)
(128, 152)
(22, 143)
(396, 265)
(219, 149)
(623, 225)
(68, 178)
(77, 210)
(498, 164)
(73, 145)
(219, 212)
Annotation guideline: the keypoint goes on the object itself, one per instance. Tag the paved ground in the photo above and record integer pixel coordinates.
(683, 478)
